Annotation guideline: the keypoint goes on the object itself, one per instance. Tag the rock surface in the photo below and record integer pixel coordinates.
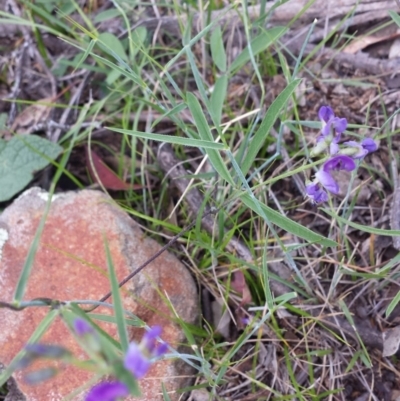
(70, 264)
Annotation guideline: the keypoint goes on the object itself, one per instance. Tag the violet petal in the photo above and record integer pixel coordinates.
(149, 339)
(333, 148)
(316, 193)
(339, 162)
(136, 362)
(82, 327)
(46, 350)
(325, 113)
(369, 144)
(327, 181)
(108, 391)
(161, 350)
(340, 125)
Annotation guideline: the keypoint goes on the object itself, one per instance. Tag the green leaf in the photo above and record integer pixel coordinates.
(218, 97)
(366, 229)
(217, 49)
(197, 143)
(165, 394)
(395, 17)
(205, 134)
(112, 45)
(20, 158)
(106, 15)
(258, 45)
(117, 301)
(268, 122)
(286, 224)
(393, 304)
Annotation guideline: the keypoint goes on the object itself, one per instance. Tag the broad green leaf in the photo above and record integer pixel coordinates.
(106, 15)
(177, 140)
(286, 224)
(117, 301)
(268, 122)
(258, 45)
(112, 44)
(218, 97)
(395, 17)
(20, 158)
(138, 38)
(205, 134)
(217, 49)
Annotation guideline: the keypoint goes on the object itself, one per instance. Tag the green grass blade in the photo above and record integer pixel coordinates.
(197, 143)
(366, 229)
(395, 17)
(286, 224)
(165, 394)
(117, 301)
(258, 45)
(268, 122)
(28, 265)
(205, 134)
(217, 49)
(393, 304)
(218, 97)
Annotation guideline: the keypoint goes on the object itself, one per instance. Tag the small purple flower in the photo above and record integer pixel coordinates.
(136, 362)
(369, 144)
(326, 138)
(138, 357)
(38, 350)
(316, 193)
(359, 150)
(324, 179)
(82, 327)
(108, 391)
(340, 162)
(328, 119)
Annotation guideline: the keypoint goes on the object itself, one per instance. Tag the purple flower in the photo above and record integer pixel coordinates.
(108, 391)
(359, 150)
(324, 180)
(38, 350)
(369, 144)
(340, 162)
(82, 327)
(136, 362)
(316, 193)
(326, 138)
(138, 357)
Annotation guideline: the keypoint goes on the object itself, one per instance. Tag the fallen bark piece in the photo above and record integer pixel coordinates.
(70, 264)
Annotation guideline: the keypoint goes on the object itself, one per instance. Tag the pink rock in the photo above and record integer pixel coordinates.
(71, 265)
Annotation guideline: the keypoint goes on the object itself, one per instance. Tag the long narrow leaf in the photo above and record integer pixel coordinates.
(258, 45)
(286, 224)
(218, 97)
(28, 265)
(366, 229)
(268, 122)
(205, 134)
(117, 301)
(197, 143)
